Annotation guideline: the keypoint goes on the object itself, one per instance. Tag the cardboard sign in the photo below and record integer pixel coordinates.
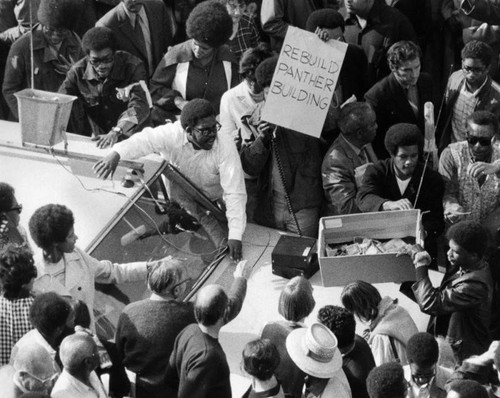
(304, 82)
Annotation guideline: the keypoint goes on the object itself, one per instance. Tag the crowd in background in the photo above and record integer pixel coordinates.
(189, 80)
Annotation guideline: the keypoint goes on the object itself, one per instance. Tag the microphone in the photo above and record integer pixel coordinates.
(177, 220)
(133, 235)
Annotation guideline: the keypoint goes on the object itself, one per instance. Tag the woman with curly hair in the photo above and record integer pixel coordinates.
(201, 67)
(65, 268)
(17, 273)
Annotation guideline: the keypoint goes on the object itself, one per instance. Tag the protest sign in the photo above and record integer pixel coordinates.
(304, 82)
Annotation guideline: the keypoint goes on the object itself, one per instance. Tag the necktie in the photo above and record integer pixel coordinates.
(140, 27)
(363, 156)
(412, 96)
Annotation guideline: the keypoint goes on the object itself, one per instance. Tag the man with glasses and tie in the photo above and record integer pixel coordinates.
(208, 159)
(469, 89)
(471, 171)
(106, 81)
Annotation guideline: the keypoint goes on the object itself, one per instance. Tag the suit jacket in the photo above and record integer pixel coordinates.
(338, 174)
(353, 75)
(389, 100)
(162, 28)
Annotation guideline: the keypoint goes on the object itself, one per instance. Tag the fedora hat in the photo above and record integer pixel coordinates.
(314, 350)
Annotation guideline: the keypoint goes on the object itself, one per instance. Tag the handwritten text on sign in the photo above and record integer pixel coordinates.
(304, 82)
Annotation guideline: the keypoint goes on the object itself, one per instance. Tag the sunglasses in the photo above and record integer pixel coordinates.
(18, 208)
(483, 141)
(473, 69)
(209, 130)
(99, 61)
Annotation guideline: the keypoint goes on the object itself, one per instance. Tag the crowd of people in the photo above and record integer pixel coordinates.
(189, 80)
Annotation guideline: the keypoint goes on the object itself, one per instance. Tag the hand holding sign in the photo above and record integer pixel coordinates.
(304, 82)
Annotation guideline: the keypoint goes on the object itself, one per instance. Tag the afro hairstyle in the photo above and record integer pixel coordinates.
(340, 321)
(326, 18)
(17, 268)
(468, 389)
(210, 23)
(252, 57)
(98, 39)
(195, 110)
(469, 235)
(265, 71)
(486, 118)
(478, 50)
(49, 312)
(60, 14)
(422, 349)
(51, 224)
(403, 134)
(386, 381)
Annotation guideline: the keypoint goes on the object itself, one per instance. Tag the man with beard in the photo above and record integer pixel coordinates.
(210, 160)
(397, 183)
(96, 79)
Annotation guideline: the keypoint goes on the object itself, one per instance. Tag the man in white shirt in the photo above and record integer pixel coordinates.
(208, 159)
(80, 358)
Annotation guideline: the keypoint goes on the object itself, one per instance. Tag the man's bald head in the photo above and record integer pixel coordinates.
(35, 360)
(75, 349)
(210, 305)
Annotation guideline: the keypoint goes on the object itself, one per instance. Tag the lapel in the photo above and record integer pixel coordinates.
(404, 108)
(74, 272)
(152, 19)
(126, 29)
(349, 152)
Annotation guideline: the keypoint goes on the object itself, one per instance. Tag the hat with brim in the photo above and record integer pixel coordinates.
(314, 350)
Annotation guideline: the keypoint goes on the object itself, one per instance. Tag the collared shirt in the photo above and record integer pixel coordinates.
(34, 337)
(216, 172)
(14, 324)
(464, 107)
(68, 386)
(246, 37)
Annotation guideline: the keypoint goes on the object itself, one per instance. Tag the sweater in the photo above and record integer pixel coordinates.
(146, 333)
(197, 367)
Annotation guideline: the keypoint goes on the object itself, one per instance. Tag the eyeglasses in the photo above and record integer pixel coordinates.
(209, 130)
(99, 61)
(483, 141)
(182, 282)
(18, 208)
(473, 69)
(46, 381)
(54, 31)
